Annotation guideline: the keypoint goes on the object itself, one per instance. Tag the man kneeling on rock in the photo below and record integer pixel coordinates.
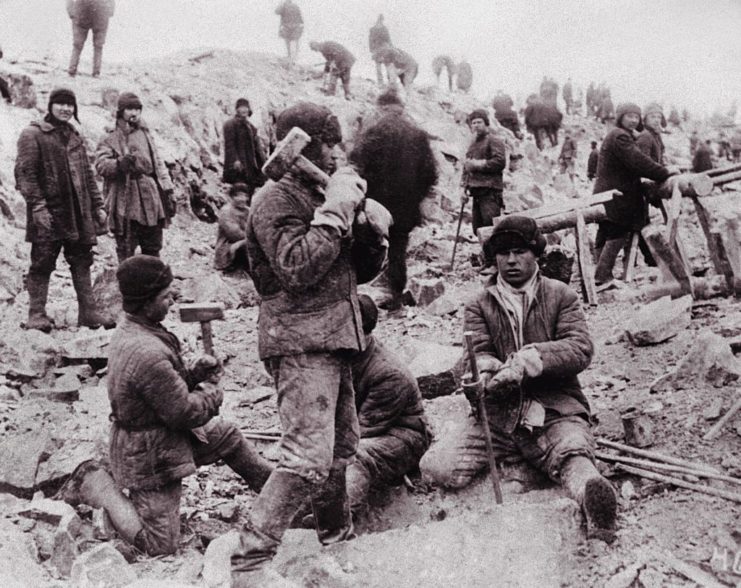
(163, 419)
(531, 341)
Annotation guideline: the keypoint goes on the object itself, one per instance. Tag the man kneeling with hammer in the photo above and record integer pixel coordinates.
(163, 419)
(530, 340)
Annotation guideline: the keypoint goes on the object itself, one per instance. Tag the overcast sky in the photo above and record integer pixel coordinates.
(686, 52)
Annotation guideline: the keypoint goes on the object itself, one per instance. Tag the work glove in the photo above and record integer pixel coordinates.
(126, 163)
(377, 218)
(465, 197)
(207, 369)
(214, 392)
(343, 195)
(41, 217)
(525, 362)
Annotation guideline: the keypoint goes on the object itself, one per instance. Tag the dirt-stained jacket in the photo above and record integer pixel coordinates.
(154, 405)
(59, 177)
(241, 143)
(306, 275)
(150, 180)
(555, 325)
(491, 150)
(621, 166)
(386, 394)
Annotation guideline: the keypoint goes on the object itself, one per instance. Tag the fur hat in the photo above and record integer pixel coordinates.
(141, 278)
(628, 108)
(479, 113)
(243, 102)
(516, 231)
(63, 96)
(317, 121)
(655, 107)
(128, 100)
(368, 313)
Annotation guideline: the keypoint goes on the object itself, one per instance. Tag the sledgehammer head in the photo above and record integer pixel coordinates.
(201, 312)
(286, 153)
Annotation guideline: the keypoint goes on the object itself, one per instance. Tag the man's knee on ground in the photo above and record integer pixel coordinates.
(564, 440)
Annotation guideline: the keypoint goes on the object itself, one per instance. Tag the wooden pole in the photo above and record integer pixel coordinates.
(643, 463)
(656, 456)
(667, 255)
(719, 171)
(717, 427)
(727, 178)
(630, 260)
(681, 483)
(584, 255)
(716, 248)
(703, 289)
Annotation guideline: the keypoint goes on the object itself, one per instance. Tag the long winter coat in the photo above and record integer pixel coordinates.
(395, 158)
(125, 190)
(386, 394)
(306, 275)
(61, 178)
(154, 405)
(491, 150)
(557, 328)
(621, 166)
(242, 144)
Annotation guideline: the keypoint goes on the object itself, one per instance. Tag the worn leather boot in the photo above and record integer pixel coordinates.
(38, 292)
(271, 515)
(331, 507)
(97, 60)
(250, 465)
(90, 484)
(594, 494)
(88, 315)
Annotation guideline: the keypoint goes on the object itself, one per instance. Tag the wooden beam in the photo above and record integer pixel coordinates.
(730, 236)
(719, 171)
(703, 288)
(630, 259)
(726, 178)
(667, 256)
(716, 247)
(584, 254)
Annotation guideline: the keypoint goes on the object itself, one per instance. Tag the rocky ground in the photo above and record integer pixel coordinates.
(53, 403)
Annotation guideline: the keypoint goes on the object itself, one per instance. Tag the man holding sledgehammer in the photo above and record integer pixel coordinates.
(530, 340)
(307, 253)
(162, 415)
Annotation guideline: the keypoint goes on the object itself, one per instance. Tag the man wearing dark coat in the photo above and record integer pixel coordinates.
(89, 15)
(338, 64)
(482, 171)
(64, 208)
(307, 254)
(401, 64)
(531, 341)
(163, 419)
(395, 158)
(378, 39)
(649, 140)
(703, 158)
(592, 161)
(567, 157)
(244, 155)
(621, 166)
(393, 430)
(464, 76)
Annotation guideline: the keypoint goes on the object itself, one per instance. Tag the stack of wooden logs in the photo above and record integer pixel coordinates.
(663, 241)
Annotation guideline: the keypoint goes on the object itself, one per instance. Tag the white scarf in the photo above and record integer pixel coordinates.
(517, 302)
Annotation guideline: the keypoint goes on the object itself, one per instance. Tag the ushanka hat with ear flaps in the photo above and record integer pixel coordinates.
(655, 107)
(63, 96)
(141, 278)
(317, 121)
(516, 232)
(627, 108)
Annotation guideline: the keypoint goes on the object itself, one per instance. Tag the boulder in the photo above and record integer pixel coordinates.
(434, 366)
(660, 320)
(101, 566)
(709, 361)
(446, 305)
(557, 263)
(28, 352)
(20, 567)
(425, 291)
(92, 346)
(216, 561)
(211, 288)
(20, 84)
(21, 457)
(60, 464)
(107, 295)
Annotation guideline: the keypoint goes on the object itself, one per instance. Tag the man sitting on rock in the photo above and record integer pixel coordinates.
(531, 341)
(393, 429)
(163, 419)
(231, 250)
